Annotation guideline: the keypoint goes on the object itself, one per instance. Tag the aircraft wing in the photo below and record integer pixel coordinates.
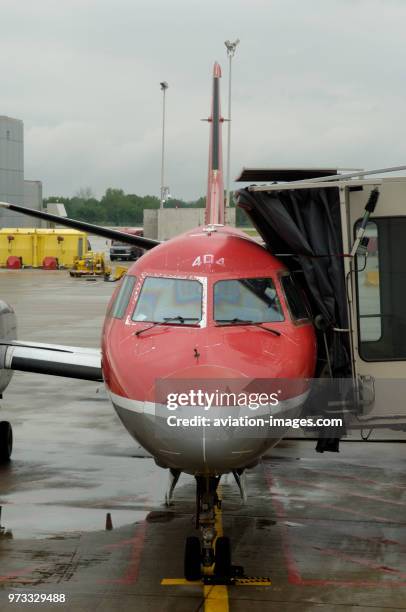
(55, 359)
(105, 232)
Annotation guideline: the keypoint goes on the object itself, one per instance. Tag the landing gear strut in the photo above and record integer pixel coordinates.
(173, 479)
(210, 550)
(6, 441)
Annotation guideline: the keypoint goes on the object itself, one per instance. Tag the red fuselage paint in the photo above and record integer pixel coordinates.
(239, 351)
(133, 363)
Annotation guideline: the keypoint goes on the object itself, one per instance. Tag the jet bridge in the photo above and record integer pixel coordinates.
(350, 257)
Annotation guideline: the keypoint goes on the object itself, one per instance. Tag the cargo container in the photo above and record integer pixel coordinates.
(34, 245)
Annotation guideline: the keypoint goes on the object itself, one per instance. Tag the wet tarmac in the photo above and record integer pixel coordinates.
(329, 530)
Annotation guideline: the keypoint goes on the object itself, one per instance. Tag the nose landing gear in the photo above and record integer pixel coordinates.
(6, 441)
(212, 551)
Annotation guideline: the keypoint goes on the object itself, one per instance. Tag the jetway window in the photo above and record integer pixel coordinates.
(381, 291)
(369, 295)
(123, 297)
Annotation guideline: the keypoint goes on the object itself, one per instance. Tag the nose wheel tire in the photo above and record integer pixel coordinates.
(6, 441)
(192, 562)
(222, 557)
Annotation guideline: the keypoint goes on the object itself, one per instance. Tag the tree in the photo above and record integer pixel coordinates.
(119, 208)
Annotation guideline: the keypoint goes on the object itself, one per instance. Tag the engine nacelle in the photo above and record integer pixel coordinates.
(8, 331)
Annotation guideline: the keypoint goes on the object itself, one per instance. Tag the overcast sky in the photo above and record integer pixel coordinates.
(315, 82)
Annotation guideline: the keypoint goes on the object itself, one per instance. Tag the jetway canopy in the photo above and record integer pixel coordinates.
(259, 175)
(303, 228)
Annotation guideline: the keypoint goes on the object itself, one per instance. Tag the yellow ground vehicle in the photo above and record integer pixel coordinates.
(94, 264)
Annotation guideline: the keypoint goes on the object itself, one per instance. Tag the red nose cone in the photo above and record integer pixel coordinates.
(217, 71)
(208, 372)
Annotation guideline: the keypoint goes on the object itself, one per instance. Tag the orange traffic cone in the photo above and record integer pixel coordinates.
(109, 522)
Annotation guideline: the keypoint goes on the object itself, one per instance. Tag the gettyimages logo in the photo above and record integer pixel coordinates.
(207, 400)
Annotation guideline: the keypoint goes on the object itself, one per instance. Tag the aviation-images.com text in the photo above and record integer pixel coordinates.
(252, 401)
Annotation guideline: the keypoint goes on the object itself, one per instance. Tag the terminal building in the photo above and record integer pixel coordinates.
(166, 223)
(13, 187)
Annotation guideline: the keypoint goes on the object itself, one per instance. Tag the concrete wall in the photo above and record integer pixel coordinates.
(12, 170)
(150, 223)
(33, 199)
(33, 194)
(55, 208)
(166, 223)
(175, 221)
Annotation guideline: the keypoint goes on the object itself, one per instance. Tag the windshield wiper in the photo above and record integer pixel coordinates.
(180, 319)
(166, 320)
(237, 321)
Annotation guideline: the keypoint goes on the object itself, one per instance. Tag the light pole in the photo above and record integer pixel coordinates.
(164, 87)
(231, 47)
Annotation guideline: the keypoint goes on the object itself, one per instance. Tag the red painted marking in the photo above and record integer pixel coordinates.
(216, 70)
(383, 541)
(332, 552)
(388, 485)
(129, 577)
(388, 584)
(22, 572)
(367, 517)
(131, 574)
(294, 575)
(335, 490)
(120, 544)
(378, 540)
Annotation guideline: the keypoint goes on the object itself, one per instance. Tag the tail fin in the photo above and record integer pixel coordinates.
(215, 186)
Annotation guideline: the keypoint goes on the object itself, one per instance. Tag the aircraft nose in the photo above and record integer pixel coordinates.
(201, 444)
(204, 427)
(206, 372)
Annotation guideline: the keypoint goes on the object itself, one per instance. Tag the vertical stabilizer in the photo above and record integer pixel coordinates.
(215, 186)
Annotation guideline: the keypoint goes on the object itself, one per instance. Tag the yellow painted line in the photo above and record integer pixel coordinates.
(218, 523)
(215, 598)
(179, 582)
(238, 582)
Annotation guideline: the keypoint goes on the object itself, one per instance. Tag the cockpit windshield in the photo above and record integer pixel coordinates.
(248, 299)
(170, 300)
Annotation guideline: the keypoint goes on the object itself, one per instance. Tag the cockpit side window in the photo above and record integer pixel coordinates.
(294, 298)
(175, 300)
(123, 297)
(248, 299)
